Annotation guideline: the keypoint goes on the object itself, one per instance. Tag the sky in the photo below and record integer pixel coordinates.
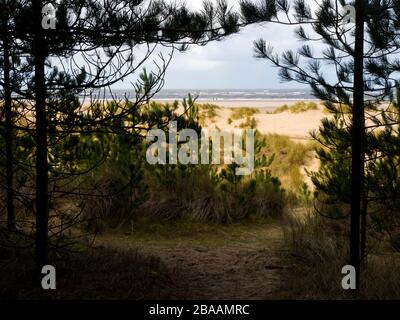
(229, 64)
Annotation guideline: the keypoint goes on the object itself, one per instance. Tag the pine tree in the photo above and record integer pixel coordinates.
(91, 48)
(361, 62)
(6, 43)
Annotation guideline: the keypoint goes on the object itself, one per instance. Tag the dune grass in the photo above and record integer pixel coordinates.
(298, 107)
(208, 111)
(243, 113)
(249, 123)
(290, 157)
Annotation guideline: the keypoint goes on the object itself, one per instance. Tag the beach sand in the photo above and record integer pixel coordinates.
(296, 126)
(267, 105)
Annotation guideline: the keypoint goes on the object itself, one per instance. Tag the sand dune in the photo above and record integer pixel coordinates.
(296, 126)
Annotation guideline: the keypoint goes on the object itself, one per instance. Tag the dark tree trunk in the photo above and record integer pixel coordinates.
(364, 211)
(9, 136)
(42, 198)
(358, 133)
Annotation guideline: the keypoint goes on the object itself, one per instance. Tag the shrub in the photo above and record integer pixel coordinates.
(119, 184)
(215, 193)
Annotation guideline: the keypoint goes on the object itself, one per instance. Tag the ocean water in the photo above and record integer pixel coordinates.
(221, 95)
(239, 94)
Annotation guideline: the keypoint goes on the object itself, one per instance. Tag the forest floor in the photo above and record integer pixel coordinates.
(207, 261)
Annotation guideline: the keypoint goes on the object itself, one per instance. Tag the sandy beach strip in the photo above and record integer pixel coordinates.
(268, 105)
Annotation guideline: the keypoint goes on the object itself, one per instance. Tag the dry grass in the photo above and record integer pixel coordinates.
(298, 107)
(290, 157)
(318, 249)
(180, 194)
(149, 232)
(243, 113)
(249, 123)
(208, 111)
(199, 197)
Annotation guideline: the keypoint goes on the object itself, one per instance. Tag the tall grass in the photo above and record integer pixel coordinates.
(191, 193)
(318, 250)
(199, 193)
(289, 158)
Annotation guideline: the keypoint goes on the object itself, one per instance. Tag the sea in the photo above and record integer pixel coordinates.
(221, 94)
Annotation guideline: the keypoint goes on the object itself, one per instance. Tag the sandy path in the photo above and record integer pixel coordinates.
(224, 273)
(249, 268)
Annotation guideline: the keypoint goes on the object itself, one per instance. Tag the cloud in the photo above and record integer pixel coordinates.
(231, 63)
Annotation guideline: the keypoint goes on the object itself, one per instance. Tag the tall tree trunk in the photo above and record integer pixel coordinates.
(9, 136)
(42, 197)
(358, 133)
(364, 212)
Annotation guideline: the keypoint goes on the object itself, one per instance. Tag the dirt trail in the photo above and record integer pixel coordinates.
(248, 267)
(224, 273)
